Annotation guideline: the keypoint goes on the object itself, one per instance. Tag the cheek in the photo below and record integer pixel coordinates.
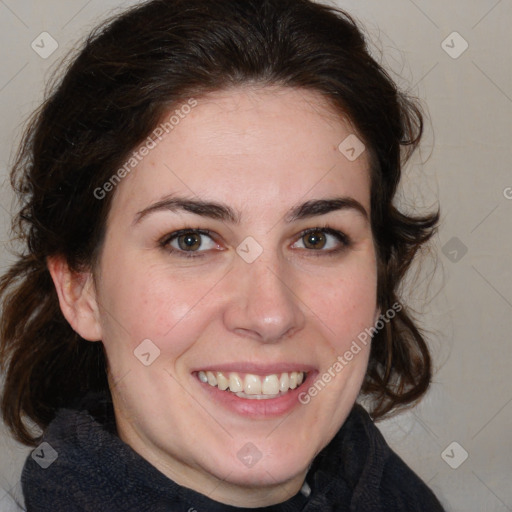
(152, 304)
(345, 304)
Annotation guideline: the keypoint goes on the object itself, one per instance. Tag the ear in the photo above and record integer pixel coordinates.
(77, 298)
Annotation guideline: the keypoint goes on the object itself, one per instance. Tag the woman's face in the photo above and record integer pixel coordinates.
(238, 251)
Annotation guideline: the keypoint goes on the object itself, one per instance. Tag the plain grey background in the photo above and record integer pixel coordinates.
(456, 58)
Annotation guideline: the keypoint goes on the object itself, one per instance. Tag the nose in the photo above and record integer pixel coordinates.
(263, 304)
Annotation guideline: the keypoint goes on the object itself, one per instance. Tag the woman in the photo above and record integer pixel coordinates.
(212, 256)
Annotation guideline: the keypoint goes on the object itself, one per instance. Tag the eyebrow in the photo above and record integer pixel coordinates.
(225, 213)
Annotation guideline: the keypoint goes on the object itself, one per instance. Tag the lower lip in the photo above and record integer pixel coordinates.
(254, 408)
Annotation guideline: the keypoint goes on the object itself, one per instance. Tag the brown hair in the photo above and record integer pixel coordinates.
(130, 71)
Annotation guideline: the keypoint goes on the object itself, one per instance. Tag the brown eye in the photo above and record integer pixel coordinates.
(189, 241)
(322, 241)
(314, 240)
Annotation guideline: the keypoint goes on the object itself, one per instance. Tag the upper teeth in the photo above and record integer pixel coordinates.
(250, 384)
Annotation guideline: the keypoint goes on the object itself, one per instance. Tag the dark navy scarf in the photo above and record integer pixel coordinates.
(97, 472)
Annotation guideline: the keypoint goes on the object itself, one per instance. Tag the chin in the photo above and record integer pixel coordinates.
(250, 467)
(266, 474)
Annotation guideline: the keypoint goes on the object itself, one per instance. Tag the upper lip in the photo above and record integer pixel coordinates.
(256, 368)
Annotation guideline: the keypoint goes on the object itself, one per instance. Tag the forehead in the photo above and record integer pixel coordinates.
(254, 148)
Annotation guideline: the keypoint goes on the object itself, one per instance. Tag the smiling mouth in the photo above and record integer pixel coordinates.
(251, 386)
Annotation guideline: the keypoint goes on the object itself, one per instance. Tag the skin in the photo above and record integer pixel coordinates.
(260, 151)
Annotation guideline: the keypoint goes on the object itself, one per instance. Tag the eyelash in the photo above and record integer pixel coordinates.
(340, 236)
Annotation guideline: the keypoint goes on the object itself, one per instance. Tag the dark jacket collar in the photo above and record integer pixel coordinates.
(97, 471)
